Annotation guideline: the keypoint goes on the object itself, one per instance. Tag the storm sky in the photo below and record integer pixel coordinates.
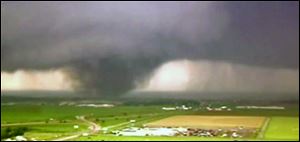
(109, 46)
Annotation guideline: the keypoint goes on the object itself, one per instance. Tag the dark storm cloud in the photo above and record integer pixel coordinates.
(265, 33)
(109, 45)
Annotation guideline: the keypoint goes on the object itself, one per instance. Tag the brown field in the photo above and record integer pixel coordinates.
(196, 121)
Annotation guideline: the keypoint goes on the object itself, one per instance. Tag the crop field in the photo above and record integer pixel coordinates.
(54, 122)
(192, 121)
(27, 113)
(51, 121)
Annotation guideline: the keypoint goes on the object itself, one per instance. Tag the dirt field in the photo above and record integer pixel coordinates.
(196, 121)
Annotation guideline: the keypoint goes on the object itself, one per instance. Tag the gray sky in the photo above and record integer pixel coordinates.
(109, 45)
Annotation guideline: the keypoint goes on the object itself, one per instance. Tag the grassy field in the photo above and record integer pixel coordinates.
(283, 124)
(31, 113)
(283, 128)
(37, 118)
(50, 131)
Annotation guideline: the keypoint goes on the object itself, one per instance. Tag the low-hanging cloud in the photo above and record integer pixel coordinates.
(53, 80)
(220, 77)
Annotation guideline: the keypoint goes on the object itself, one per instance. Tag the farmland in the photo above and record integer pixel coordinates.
(44, 112)
(56, 118)
(51, 121)
(209, 121)
(283, 128)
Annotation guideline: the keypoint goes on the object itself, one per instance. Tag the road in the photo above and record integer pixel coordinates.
(263, 129)
(117, 125)
(126, 123)
(68, 137)
(95, 128)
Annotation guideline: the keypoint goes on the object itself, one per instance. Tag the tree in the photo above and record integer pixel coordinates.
(10, 132)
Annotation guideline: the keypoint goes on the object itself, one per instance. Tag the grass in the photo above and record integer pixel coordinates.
(283, 128)
(58, 128)
(50, 131)
(139, 118)
(54, 129)
(31, 113)
(284, 124)
(42, 135)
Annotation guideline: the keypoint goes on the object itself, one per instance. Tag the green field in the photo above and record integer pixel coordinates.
(283, 128)
(44, 112)
(64, 118)
(50, 131)
(283, 124)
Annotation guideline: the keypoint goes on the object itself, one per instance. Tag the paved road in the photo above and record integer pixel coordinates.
(126, 123)
(68, 137)
(95, 128)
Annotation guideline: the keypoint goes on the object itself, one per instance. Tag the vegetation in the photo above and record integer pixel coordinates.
(12, 131)
(32, 113)
(283, 128)
(55, 121)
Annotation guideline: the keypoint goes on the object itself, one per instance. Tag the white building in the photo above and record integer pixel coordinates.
(168, 108)
(20, 138)
(75, 126)
(149, 132)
